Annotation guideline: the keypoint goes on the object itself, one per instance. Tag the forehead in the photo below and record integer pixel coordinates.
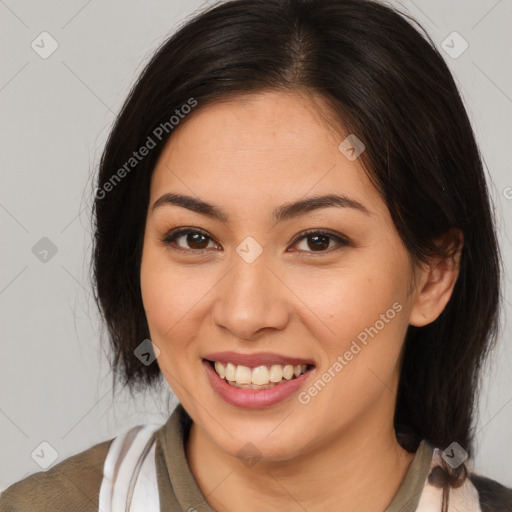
(267, 146)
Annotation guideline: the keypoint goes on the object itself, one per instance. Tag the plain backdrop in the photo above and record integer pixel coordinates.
(56, 112)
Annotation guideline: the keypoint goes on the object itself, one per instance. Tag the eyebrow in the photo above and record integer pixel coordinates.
(283, 212)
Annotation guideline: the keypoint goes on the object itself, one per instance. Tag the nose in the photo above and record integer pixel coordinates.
(252, 301)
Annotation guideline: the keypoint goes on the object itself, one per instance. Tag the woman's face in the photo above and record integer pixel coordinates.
(254, 290)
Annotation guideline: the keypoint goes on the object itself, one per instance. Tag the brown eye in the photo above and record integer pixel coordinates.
(190, 239)
(319, 241)
(196, 240)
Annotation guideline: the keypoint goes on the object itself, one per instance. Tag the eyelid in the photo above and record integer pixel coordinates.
(341, 240)
(171, 236)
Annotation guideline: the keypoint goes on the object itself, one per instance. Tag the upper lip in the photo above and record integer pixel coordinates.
(257, 359)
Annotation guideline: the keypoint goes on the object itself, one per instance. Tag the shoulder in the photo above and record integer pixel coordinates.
(493, 496)
(73, 484)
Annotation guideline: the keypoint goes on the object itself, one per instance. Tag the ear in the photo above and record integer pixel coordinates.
(436, 280)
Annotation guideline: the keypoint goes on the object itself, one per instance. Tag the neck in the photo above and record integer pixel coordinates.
(360, 468)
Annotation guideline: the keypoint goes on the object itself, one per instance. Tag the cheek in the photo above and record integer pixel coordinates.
(366, 323)
(160, 291)
(173, 297)
(347, 300)
(154, 291)
(166, 301)
(360, 317)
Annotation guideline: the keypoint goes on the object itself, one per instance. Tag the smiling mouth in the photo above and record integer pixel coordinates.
(259, 377)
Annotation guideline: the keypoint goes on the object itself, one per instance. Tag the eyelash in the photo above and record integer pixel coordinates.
(170, 237)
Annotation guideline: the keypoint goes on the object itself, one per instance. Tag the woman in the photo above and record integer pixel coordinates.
(292, 227)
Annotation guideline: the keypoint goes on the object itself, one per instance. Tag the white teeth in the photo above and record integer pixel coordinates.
(243, 376)
(276, 373)
(288, 372)
(219, 368)
(260, 375)
(230, 372)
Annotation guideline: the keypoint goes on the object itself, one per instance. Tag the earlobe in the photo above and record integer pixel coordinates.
(435, 287)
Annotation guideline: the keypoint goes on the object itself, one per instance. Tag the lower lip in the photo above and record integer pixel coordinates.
(253, 398)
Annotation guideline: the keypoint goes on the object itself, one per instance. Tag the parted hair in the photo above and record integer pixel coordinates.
(385, 81)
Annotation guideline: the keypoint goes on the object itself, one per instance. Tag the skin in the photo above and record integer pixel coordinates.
(249, 156)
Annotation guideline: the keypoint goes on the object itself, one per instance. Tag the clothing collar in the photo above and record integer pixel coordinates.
(409, 493)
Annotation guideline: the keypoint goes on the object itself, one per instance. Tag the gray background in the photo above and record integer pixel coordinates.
(56, 114)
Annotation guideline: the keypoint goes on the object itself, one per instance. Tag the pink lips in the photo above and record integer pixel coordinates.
(254, 398)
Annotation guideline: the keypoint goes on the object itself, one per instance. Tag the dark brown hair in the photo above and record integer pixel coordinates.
(387, 84)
